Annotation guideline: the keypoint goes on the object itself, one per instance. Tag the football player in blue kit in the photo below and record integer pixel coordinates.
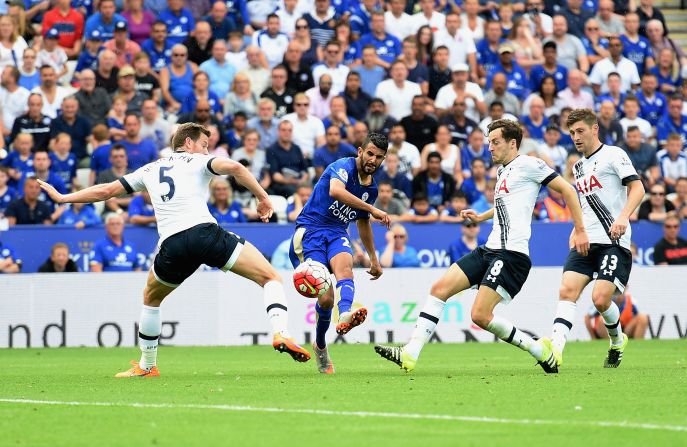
(344, 193)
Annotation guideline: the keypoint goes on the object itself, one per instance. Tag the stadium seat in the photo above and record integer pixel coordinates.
(279, 203)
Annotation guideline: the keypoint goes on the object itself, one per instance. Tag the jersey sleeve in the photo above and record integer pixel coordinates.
(96, 255)
(337, 170)
(538, 171)
(134, 182)
(622, 166)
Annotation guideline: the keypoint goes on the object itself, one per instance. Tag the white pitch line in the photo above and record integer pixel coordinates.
(362, 414)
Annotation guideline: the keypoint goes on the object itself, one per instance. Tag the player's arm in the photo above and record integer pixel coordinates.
(635, 194)
(226, 166)
(337, 191)
(473, 216)
(96, 193)
(579, 236)
(367, 238)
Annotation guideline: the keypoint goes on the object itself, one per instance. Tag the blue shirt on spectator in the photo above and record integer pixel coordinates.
(233, 214)
(323, 157)
(675, 82)
(6, 197)
(467, 155)
(80, 131)
(7, 251)
(352, 53)
(538, 72)
(652, 110)
(516, 78)
(66, 168)
(53, 179)
(87, 60)
(86, 214)
(342, 128)
(158, 59)
(138, 207)
(100, 158)
(29, 82)
(486, 57)
(369, 78)
(388, 48)
(458, 249)
(188, 105)
(359, 20)
(141, 153)
(221, 76)
(95, 22)
(406, 259)
(435, 191)
(179, 25)
(221, 30)
(113, 257)
(400, 182)
(536, 131)
(85, 4)
(14, 161)
(637, 52)
(666, 126)
(472, 194)
(238, 12)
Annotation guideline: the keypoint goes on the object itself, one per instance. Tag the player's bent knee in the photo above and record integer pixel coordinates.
(441, 289)
(568, 293)
(480, 317)
(601, 301)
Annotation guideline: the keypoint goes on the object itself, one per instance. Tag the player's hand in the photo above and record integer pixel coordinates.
(470, 214)
(382, 217)
(265, 210)
(619, 228)
(580, 241)
(375, 270)
(51, 191)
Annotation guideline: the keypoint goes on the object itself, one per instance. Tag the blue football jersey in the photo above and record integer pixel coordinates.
(637, 51)
(322, 211)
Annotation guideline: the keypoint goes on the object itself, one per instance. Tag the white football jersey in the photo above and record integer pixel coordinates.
(517, 188)
(600, 181)
(178, 188)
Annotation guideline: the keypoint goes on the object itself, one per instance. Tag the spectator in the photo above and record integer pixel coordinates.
(487, 50)
(369, 72)
(499, 94)
(377, 119)
(279, 93)
(548, 92)
(287, 165)
(253, 157)
(297, 201)
(241, 98)
(614, 63)
(158, 47)
(77, 126)
(113, 253)
(667, 72)
(236, 55)
(141, 210)
(610, 131)
(673, 122)
(124, 48)
(656, 208)
(299, 75)
(357, 100)
(94, 102)
(595, 44)
(154, 127)
(52, 94)
(88, 57)
(176, 79)
(636, 47)
(7, 193)
(459, 125)
(331, 66)
(610, 24)
(257, 70)
(535, 121)
(450, 153)
(505, 13)
(106, 74)
(272, 41)
(338, 117)
(573, 95)
(397, 253)
(146, 79)
(62, 160)
(632, 119)
(398, 93)
(387, 202)
(78, 215)
(179, 21)
(139, 19)
(350, 49)
(437, 185)
(459, 41)
(550, 67)
(201, 91)
(680, 200)
(311, 50)
(333, 150)
(451, 213)
(104, 20)
(550, 151)
(571, 51)
(115, 118)
(387, 46)
(13, 98)
(320, 21)
(9, 263)
(12, 45)
(118, 168)
(59, 260)
(476, 184)
(439, 73)
(515, 75)
(576, 17)
(553, 208)
(396, 21)
(475, 149)
(220, 22)
(29, 210)
(265, 123)
(419, 127)
(360, 131)
(320, 97)
(469, 240)
(101, 152)
(308, 130)
(421, 211)
(614, 94)
(19, 160)
(647, 13)
(474, 98)
(139, 151)
(634, 324)
(29, 76)
(34, 122)
(222, 207)
(200, 44)
(203, 116)
(408, 154)
(672, 161)
(671, 249)
(527, 48)
(403, 188)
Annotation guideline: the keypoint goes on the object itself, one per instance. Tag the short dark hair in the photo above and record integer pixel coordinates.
(433, 155)
(585, 115)
(378, 139)
(117, 147)
(385, 183)
(550, 44)
(459, 195)
(510, 130)
(632, 129)
(157, 23)
(496, 104)
(188, 130)
(477, 160)
(420, 197)
(273, 16)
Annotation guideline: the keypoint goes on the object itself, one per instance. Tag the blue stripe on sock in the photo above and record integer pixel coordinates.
(346, 292)
(324, 318)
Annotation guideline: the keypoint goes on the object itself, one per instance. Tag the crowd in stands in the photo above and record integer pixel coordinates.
(93, 90)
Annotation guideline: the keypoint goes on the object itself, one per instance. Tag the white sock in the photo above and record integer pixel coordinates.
(565, 315)
(275, 304)
(505, 330)
(149, 329)
(425, 325)
(612, 319)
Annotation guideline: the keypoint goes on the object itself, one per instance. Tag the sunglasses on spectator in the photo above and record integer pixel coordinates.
(179, 54)
(671, 227)
(302, 104)
(470, 225)
(301, 26)
(657, 193)
(399, 236)
(202, 110)
(589, 28)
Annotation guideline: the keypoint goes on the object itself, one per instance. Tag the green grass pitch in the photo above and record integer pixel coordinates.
(460, 395)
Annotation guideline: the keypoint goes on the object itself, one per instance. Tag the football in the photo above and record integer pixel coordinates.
(311, 279)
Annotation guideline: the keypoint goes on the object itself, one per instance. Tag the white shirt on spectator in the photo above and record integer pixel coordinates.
(557, 154)
(478, 33)
(397, 100)
(338, 74)
(273, 47)
(238, 60)
(447, 95)
(409, 157)
(625, 68)
(13, 105)
(51, 110)
(459, 46)
(644, 127)
(401, 27)
(673, 169)
(305, 132)
(436, 22)
(288, 21)
(56, 59)
(15, 55)
(259, 79)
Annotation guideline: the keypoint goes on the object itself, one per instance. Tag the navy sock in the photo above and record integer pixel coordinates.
(346, 290)
(324, 317)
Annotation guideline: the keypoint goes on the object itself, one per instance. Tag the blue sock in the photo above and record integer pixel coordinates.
(324, 317)
(346, 290)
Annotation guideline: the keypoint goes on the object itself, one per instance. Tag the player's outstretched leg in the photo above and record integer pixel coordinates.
(483, 316)
(453, 281)
(149, 328)
(602, 297)
(571, 288)
(251, 264)
(323, 318)
(342, 266)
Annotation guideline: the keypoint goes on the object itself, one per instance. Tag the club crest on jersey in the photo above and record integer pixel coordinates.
(578, 170)
(343, 174)
(365, 197)
(588, 186)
